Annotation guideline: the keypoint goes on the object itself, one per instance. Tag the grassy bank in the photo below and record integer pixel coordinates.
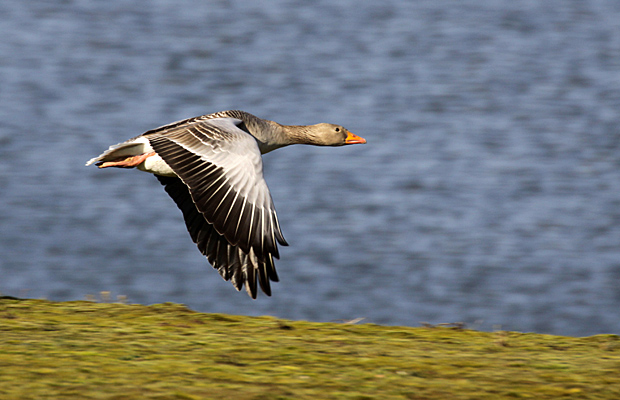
(86, 350)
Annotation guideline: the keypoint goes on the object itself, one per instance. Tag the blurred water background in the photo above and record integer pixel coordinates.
(488, 192)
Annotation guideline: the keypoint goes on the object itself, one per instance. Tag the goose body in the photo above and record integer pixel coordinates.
(212, 168)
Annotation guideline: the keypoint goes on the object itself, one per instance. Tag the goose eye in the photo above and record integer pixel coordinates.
(337, 129)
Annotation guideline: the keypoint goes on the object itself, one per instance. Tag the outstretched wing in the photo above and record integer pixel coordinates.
(221, 166)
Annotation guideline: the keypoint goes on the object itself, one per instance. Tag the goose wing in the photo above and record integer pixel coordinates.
(221, 166)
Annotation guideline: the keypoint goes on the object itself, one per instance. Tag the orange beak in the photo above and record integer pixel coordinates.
(354, 139)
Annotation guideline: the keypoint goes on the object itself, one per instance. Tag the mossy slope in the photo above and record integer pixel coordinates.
(86, 350)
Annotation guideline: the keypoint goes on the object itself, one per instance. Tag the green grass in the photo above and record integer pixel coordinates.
(86, 350)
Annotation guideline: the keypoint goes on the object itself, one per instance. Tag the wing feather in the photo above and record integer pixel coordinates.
(231, 262)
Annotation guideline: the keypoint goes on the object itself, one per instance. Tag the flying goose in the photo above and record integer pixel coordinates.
(211, 166)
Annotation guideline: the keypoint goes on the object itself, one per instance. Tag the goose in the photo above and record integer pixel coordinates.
(211, 167)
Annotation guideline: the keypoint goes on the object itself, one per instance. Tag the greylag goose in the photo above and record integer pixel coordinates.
(211, 166)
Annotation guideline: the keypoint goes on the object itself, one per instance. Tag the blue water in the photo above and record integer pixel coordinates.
(488, 192)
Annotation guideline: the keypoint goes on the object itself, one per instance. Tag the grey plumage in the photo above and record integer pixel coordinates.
(212, 168)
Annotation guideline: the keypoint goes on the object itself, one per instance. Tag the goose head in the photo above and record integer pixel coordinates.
(325, 134)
